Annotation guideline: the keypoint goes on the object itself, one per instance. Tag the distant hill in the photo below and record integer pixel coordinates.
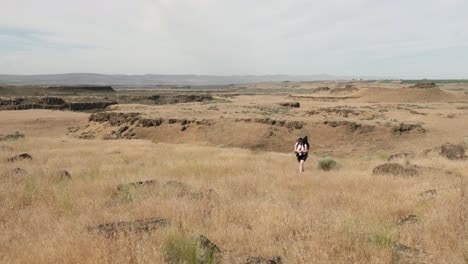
(156, 79)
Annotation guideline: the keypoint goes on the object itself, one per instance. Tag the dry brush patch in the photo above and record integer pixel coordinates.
(262, 207)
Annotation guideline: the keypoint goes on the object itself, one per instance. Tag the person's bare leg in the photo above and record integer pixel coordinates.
(301, 166)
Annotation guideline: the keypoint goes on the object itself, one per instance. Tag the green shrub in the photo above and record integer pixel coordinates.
(327, 164)
(180, 249)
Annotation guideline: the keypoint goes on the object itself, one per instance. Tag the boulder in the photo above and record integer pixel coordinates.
(291, 104)
(452, 152)
(395, 169)
(110, 230)
(403, 128)
(23, 156)
(408, 219)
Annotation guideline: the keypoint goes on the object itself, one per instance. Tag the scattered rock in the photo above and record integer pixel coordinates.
(110, 230)
(409, 219)
(87, 135)
(122, 129)
(403, 128)
(291, 104)
(452, 152)
(114, 119)
(261, 260)
(13, 136)
(401, 155)
(395, 169)
(183, 128)
(402, 254)
(24, 156)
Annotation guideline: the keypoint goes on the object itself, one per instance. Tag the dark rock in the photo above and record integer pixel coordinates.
(395, 169)
(452, 152)
(83, 106)
(122, 129)
(176, 99)
(53, 101)
(409, 219)
(403, 128)
(151, 122)
(9, 102)
(261, 260)
(291, 104)
(183, 128)
(115, 119)
(24, 156)
(110, 230)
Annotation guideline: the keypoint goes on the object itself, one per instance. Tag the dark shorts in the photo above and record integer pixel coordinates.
(303, 156)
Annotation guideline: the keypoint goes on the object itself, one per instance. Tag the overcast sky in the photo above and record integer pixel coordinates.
(398, 38)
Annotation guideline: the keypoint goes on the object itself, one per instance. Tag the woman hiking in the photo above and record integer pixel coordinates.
(301, 148)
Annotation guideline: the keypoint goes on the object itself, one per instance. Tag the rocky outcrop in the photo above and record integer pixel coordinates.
(177, 99)
(396, 169)
(290, 104)
(272, 122)
(82, 89)
(403, 129)
(23, 156)
(114, 118)
(452, 152)
(52, 103)
(352, 126)
(110, 230)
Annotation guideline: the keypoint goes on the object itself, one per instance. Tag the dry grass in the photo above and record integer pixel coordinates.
(262, 208)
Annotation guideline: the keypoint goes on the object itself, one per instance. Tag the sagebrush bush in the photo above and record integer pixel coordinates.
(327, 164)
(179, 249)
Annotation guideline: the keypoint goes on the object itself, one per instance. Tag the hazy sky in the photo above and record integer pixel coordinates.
(399, 38)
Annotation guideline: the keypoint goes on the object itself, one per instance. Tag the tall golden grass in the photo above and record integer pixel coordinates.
(263, 206)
